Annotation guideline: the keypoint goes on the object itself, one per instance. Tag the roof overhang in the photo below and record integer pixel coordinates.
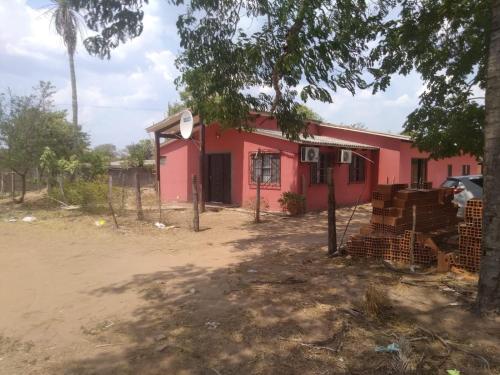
(171, 125)
(316, 140)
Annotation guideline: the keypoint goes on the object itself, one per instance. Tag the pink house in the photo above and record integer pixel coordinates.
(230, 167)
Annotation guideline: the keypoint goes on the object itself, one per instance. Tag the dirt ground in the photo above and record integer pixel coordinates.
(235, 298)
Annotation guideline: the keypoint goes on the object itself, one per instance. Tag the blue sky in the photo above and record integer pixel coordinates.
(118, 98)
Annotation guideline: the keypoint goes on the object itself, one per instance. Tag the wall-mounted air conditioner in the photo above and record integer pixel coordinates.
(345, 157)
(309, 154)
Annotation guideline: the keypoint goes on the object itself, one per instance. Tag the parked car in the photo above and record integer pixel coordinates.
(465, 188)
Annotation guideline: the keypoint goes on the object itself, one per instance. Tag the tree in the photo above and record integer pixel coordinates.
(308, 113)
(29, 124)
(320, 43)
(447, 43)
(67, 23)
(138, 153)
(175, 107)
(455, 46)
(107, 151)
(489, 280)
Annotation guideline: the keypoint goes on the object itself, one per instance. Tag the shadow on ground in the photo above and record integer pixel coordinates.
(286, 309)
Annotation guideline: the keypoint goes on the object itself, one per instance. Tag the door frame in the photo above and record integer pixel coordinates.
(207, 174)
(419, 168)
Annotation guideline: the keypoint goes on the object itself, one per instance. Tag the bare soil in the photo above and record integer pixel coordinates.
(235, 298)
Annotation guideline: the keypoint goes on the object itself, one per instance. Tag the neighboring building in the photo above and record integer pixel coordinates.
(230, 167)
(123, 175)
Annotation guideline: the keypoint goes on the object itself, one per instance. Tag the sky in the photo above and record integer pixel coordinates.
(120, 97)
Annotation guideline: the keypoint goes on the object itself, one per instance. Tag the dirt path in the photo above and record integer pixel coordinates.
(236, 298)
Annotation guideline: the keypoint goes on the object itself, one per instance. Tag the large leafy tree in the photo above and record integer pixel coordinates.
(455, 46)
(67, 24)
(447, 43)
(303, 49)
(29, 124)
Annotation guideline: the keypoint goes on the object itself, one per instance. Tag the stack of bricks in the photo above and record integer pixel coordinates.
(393, 211)
(469, 246)
(389, 234)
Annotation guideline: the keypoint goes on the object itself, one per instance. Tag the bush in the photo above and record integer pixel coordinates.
(87, 194)
(293, 203)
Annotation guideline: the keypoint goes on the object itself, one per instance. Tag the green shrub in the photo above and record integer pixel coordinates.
(293, 203)
(87, 194)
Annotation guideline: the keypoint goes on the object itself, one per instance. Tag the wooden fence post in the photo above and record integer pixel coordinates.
(304, 190)
(412, 240)
(138, 200)
(123, 190)
(196, 214)
(110, 200)
(257, 201)
(332, 227)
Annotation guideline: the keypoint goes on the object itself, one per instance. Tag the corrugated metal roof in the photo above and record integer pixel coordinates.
(317, 140)
(349, 128)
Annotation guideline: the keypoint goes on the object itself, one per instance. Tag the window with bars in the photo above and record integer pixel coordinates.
(465, 170)
(268, 166)
(357, 170)
(318, 170)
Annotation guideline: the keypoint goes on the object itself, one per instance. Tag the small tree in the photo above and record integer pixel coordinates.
(138, 153)
(29, 124)
(108, 151)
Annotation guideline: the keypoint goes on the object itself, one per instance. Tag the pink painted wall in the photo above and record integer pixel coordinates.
(174, 173)
(437, 170)
(346, 193)
(392, 162)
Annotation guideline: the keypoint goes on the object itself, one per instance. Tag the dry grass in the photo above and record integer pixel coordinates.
(376, 302)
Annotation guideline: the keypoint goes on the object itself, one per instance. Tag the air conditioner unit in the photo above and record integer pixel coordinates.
(309, 154)
(345, 157)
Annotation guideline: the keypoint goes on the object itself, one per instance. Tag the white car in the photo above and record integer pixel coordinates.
(465, 188)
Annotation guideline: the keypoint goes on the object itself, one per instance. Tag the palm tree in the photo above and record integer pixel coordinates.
(67, 22)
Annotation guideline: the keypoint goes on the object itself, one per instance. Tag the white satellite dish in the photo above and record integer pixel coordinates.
(186, 124)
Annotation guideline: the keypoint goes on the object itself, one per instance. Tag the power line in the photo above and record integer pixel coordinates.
(114, 107)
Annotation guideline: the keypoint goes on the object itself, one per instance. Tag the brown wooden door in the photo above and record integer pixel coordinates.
(219, 178)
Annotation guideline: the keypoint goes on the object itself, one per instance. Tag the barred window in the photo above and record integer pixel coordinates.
(318, 170)
(268, 166)
(357, 169)
(465, 170)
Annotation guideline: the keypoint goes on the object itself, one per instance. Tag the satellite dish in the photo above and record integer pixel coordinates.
(186, 124)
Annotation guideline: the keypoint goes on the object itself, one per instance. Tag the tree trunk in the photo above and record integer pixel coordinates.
(23, 188)
(488, 298)
(140, 214)
(74, 101)
(13, 185)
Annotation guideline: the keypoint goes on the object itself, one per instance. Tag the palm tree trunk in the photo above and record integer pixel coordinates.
(74, 101)
(488, 298)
